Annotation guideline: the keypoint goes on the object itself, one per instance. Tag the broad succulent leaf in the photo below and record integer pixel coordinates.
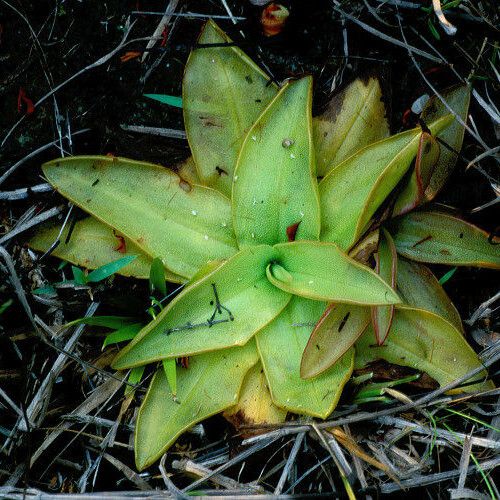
(281, 345)
(210, 385)
(274, 183)
(386, 266)
(335, 333)
(93, 244)
(413, 194)
(255, 405)
(354, 118)
(247, 303)
(441, 238)
(458, 99)
(424, 341)
(419, 288)
(223, 93)
(320, 271)
(185, 225)
(348, 201)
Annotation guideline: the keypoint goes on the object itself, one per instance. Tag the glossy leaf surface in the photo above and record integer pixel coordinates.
(320, 271)
(386, 266)
(423, 341)
(348, 199)
(419, 288)
(255, 405)
(164, 216)
(93, 244)
(338, 329)
(440, 238)
(354, 118)
(202, 392)
(275, 185)
(224, 92)
(281, 345)
(183, 328)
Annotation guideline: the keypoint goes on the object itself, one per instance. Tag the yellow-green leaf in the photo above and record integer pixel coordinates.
(386, 266)
(255, 405)
(419, 288)
(320, 271)
(223, 309)
(424, 341)
(93, 244)
(440, 238)
(223, 93)
(354, 118)
(334, 334)
(281, 345)
(162, 214)
(274, 183)
(210, 385)
(352, 192)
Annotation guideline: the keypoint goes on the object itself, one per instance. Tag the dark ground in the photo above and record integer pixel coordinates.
(43, 43)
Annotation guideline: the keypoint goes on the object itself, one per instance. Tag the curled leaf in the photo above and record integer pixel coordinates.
(320, 271)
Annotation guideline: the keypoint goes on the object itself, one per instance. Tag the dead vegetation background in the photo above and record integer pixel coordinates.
(72, 78)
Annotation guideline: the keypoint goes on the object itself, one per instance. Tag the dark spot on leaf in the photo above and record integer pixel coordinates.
(291, 231)
(443, 251)
(211, 302)
(343, 322)
(248, 78)
(209, 121)
(325, 134)
(258, 100)
(88, 201)
(318, 347)
(184, 185)
(423, 240)
(95, 182)
(221, 171)
(461, 235)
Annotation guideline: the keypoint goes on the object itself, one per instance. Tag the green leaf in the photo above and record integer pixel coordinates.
(320, 271)
(193, 323)
(354, 118)
(210, 384)
(386, 266)
(93, 244)
(440, 238)
(135, 378)
(458, 99)
(413, 193)
(349, 199)
(423, 341)
(123, 334)
(114, 322)
(419, 288)
(157, 277)
(79, 276)
(281, 345)
(5, 305)
(109, 269)
(447, 276)
(161, 213)
(170, 369)
(334, 334)
(255, 405)
(224, 92)
(274, 183)
(171, 100)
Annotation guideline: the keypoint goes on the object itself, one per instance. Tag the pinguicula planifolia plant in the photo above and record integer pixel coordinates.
(286, 222)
